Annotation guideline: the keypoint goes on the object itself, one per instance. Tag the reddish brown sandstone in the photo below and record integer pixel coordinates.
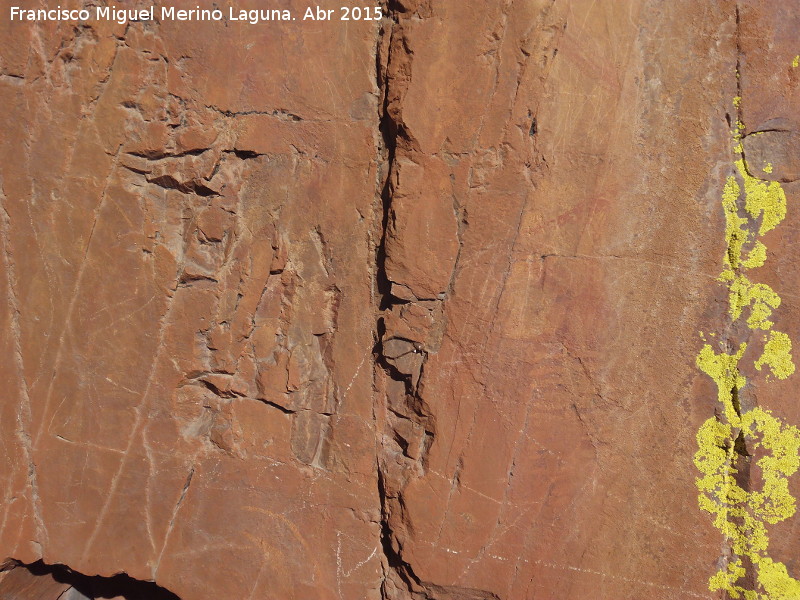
(403, 309)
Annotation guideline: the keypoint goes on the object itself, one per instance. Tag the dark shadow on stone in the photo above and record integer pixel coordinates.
(97, 587)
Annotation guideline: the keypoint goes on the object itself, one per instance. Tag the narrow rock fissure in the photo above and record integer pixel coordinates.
(738, 61)
(168, 182)
(390, 550)
(409, 425)
(727, 550)
(400, 573)
(388, 137)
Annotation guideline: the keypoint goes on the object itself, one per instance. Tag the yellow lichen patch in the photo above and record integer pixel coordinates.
(776, 582)
(756, 257)
(724, 370)
(740, 514)
(796, 61)
(777, 355)
(752, 208)
(735, 233)
(725, 579)
(767, 200)
(759, 297)
(767, 168)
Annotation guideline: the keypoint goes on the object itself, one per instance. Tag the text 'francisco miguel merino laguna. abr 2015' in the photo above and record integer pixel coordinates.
(170, 13)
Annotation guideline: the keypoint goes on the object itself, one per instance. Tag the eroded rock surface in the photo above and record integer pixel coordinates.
(403, 309)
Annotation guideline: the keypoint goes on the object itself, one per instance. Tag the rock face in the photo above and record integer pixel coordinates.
(404, 309)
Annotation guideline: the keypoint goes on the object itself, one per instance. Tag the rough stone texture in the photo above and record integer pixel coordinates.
(401, 310)
(21, 583)
(189, 271)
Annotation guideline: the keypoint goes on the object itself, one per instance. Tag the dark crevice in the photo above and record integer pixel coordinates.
(245, 154)
(135, 170)
(397, 567)
(283, 409)
(786, 129)
(394, 8)
(735, 401)
(188, 279)
(740, 445)
(279, 113)
(738, 67)
(168, 182)
(160, 155)
(394, 135)
(220, 392)
(410, 427)
(181, 498)
(393, 558)
(740, 457)
(96, 586)
(388, 132)
(194, 375)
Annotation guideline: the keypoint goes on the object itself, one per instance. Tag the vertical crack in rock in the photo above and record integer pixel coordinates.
(398, 575)
(743, 434)
(739, 456)
(410, 319)
(393, 64)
